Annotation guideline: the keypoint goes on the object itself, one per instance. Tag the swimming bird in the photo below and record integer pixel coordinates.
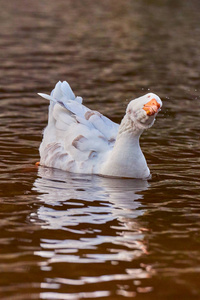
(80, 140)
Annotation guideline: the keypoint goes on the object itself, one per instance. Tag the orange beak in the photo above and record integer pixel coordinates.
(151, 107)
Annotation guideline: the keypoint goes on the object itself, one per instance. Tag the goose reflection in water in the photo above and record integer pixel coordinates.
(91, 219)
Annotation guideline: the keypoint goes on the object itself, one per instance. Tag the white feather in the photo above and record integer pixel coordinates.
(45, 96)
(67, 91)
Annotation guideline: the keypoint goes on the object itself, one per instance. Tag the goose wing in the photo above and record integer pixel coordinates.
(76, 138)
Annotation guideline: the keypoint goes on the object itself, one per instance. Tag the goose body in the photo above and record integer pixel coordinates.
(81, 140)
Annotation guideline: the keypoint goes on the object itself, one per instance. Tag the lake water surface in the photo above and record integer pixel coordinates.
(67, 236)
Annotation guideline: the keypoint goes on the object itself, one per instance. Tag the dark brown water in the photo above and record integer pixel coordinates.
(65, 236)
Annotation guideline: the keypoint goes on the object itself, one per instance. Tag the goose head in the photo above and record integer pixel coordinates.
(143, 110)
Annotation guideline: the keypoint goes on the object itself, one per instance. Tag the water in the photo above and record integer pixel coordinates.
(66, 236)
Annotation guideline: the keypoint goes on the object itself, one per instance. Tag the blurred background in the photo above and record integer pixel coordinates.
(65, 236)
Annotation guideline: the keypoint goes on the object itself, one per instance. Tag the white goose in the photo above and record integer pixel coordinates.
(81, 140)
